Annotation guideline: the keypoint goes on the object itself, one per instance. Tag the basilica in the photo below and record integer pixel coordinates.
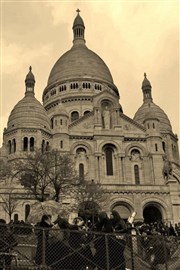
(136, 160)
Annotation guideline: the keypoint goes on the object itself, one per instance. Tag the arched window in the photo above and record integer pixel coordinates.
(156, 147)
(74, 116)
(52, 124)
(43, 146)
(136, 174)
(61, 122)
(9, 146)
(13, 145)
(86, 112)
(109, 160)
(164, 147)
(25, 144)
(153, 125)
(81, 172)
(31, 144)
(61, 144)
(47, 146)
(27, 211)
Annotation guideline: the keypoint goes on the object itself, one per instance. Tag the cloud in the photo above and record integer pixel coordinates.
(16, 57)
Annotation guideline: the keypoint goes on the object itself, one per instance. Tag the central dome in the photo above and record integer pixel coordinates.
(79, 63)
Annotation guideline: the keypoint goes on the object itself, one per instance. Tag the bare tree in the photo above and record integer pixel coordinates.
(9, 203)
(62, 173)
(49, 173)
(33, 172)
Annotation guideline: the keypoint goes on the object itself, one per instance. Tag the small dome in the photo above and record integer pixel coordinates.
(28, 113)
(146, 82)
(152, 110)
(30, 76)
(78, 21)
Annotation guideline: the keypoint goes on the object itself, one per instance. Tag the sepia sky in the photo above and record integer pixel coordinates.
(132, 37)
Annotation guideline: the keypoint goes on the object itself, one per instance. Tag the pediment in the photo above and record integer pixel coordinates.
(128, 125)
(83, 124)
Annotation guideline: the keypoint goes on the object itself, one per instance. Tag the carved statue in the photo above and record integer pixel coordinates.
(107, 118)
(167, 168)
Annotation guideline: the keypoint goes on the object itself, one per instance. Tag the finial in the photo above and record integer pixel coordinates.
(30, 68)
(78, 10)
(145, 75)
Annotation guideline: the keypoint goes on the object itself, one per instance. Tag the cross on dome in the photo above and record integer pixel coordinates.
(78, 10)
(145, 75)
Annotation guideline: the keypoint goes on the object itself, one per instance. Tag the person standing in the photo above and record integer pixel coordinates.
(117, 242)
(42, 239)
(101, 243)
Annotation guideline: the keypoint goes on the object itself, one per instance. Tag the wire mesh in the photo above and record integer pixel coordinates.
(58, 249)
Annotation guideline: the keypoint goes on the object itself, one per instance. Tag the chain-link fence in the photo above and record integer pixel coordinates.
(57, 249)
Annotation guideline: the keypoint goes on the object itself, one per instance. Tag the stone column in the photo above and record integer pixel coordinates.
(101, 167)
(122, 168)
(97, 168)
(117, 166)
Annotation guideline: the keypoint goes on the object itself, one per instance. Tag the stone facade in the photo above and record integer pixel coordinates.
(81, 114)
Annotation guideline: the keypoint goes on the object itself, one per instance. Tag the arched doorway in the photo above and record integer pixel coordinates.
(123, 211)
(88, 210)
(152, 213)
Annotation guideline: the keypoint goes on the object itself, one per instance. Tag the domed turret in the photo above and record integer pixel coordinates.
(146, 83)
(146, 88)
(78, 29)
(29, 112)
(150, 110)
(30, 82)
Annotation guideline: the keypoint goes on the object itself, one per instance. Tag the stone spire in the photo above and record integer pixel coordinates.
(78, 29)
(146, 88)
(30, 82)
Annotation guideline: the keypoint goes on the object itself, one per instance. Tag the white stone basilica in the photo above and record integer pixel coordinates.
(136, 160)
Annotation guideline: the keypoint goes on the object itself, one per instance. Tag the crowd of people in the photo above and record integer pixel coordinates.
(83, 246)
(87, 243)
(74, 250)
(158, 228)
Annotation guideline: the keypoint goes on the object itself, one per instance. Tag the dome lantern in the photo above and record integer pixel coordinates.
(146, 88)
(78, 29)
(30, 82)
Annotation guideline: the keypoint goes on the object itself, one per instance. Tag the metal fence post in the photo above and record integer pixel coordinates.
(133, 246)
(107, 252)
(43, 250)
(165, 254)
